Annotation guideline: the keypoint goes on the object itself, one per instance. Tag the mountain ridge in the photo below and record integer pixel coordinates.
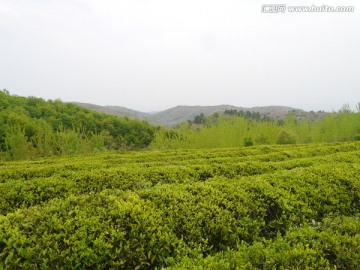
(181, 113)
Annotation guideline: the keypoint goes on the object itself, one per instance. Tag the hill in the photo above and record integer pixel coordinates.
(32, 127)
(179, 114)
(120, 112)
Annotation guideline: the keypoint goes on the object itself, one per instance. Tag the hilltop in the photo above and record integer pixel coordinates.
(179, 114)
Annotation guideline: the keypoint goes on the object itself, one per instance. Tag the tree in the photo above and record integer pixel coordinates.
(53, 127)
(199, 119)
(286, 137)
(345, 108)
(2, 136)
(5, 91)
(43, 139)
(17, 146)
(248, 141)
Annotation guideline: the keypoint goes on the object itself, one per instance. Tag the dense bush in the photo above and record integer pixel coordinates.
(248, 141)
(32, 127)
(286, 138)
(265, 207)
(93, 231)
(308, 247)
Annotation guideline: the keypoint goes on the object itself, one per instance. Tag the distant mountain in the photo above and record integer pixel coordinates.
(121, 112)
(179, 114)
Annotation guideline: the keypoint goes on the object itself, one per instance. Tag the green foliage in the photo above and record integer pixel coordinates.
(248, 141)
(308, 247)
(231, 129)
(286, 138)
(16, 144)
(199, 119)
(32, 127)
(357, 137)
(262, 207)
(345, 109)
(101, 231)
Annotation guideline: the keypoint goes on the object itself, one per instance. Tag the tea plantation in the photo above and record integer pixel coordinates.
(264, 207)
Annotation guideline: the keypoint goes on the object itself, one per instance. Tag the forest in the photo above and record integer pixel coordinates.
(32, 127)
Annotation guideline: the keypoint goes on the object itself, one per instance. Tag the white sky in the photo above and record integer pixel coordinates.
(154, 54)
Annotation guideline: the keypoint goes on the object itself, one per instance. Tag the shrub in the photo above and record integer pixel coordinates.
(357, 137)
(286, 137)
(248, 141)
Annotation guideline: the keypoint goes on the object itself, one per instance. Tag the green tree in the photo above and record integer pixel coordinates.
(17, 145)
(199, 119)
(286, 137)
(345, 108)
(358, 107)
(43, 139)
(248, 141)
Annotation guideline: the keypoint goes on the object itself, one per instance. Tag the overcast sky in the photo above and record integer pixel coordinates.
(151, 55)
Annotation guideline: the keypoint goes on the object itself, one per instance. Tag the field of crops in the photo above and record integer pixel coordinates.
(265, 207)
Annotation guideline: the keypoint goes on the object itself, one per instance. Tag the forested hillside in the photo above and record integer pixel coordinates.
(238, 128)
(32, 127)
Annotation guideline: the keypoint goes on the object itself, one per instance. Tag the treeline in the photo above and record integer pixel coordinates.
(32, 127)
(236, 129)
(248, 115)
